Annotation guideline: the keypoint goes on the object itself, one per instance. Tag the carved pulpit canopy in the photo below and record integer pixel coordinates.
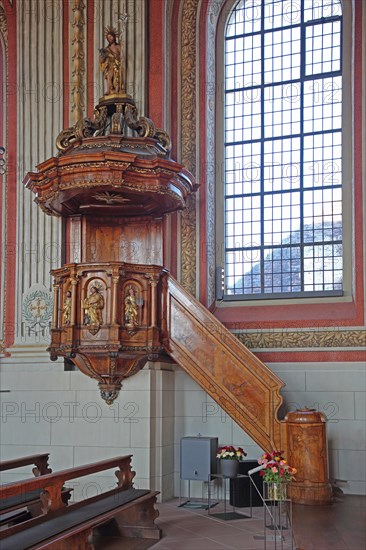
(102, 169)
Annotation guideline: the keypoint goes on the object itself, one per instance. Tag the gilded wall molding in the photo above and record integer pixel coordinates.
(3, 206)
(188, 140)
(210, 83)
(78, 61)
(306, 339)
(4, 28)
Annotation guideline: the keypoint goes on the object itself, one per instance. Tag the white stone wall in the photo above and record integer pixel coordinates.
(44, 409)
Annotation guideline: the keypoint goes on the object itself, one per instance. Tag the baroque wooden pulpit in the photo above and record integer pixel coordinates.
(115, 305)
(114, 192)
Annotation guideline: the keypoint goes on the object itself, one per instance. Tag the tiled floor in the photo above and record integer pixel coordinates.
(341, 526)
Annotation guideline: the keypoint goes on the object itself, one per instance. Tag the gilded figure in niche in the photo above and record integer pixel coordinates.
(93, 306)
(131, 308)
(66, 310)
(110, 62)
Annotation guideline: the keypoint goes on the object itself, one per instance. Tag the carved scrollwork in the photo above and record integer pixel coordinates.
(84, 128)
(163, 138)
(143, 126)
(51, 499)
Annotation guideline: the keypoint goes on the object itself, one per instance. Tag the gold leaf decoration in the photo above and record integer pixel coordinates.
(188, 228)
(78, 61)
(306, 339)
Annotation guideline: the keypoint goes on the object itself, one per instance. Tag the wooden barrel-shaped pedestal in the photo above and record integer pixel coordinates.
(307, 452)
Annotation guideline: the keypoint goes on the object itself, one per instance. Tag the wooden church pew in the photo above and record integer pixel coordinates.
(123, 511)
(40, 462)
(10, 509)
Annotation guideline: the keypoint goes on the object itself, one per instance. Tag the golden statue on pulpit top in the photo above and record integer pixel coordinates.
(112, 61)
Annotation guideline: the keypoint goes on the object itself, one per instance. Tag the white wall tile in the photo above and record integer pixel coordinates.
(241, 438)
(293, 380)
(89, 486)
(48, 404)
(350, 380)
(333, 464)
(335, 405)
(346, 434)
(352, 465)
(78, 381)
(34, 381)
(192, 426)
(185, 382)
(30, 430)
(141, 432)
(354, 488)
(190, 403)
(360, 405)
(81, 431)
(128, 405)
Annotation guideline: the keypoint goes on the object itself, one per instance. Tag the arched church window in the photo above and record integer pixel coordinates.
(283, 149)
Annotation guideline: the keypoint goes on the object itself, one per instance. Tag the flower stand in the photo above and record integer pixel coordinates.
(278, 515)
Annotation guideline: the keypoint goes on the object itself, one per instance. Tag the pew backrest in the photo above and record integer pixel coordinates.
(40, 462)
(51, 485)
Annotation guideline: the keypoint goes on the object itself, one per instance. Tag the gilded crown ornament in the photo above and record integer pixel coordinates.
(111, 30)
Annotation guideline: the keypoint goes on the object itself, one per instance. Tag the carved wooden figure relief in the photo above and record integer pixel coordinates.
(131, 310)
(66, 310)
(93, 306)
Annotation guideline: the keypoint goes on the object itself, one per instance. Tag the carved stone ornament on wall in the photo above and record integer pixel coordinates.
(4, 27)
(78, 60)
(307, 339)
(188, 132)
(37, 309)
(4, 40)
(213, 13)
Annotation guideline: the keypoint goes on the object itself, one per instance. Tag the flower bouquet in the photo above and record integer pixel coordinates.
(276, 474)
(229, 452)
(230, 457)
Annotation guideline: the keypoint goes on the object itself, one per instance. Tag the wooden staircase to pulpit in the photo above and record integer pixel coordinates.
(247, 390)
